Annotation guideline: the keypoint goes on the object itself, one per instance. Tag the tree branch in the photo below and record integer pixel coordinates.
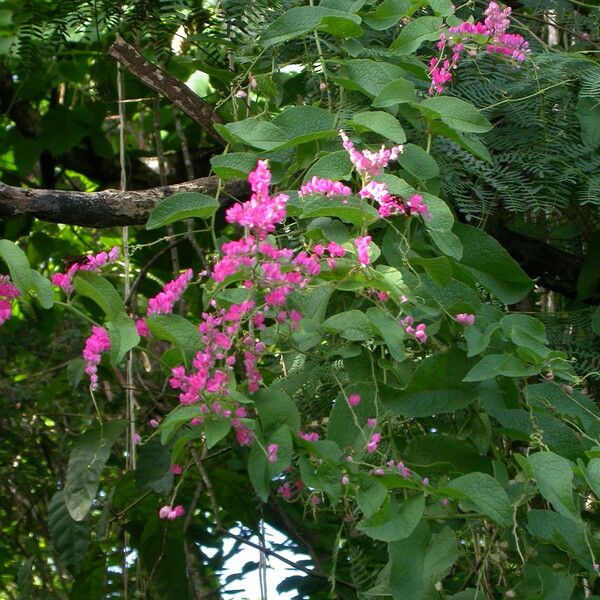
(106, 208)
(179, 94)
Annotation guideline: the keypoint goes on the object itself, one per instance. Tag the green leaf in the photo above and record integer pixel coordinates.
(186, 205)
(370, 495)
(390, 331)
(554, 477)
(589, 276)
(445, 454)
(253, 132)
(235, 164)
(70, 538)
(276, 408)
(355, 211)
(352, 325)
(153, 467)
(468, 141)
(215, 429)
(101, 291)
(18, 265)
(334, 166)
(486, 495)
(393, 523)
(258, 472)
(420, 30)
(419, 561)
(429, 394)
(301, 20)
(177, 330)
(175, 419)
(418, 163)
(43, 288)
(491, 265)
(387, 14)
(382, 123)
(444, 8)
(440, 225)
(458, 114)
(368, 76)
(596, 321)
(123, 337)
(301, 124)
(89, 454)
(592, 475)
(395, 92)
(500, 364)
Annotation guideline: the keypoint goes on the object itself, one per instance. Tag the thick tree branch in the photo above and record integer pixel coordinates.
(179, 94)
(106, 208)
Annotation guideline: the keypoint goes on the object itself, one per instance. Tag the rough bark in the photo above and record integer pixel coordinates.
(179, 94)
(106, 208)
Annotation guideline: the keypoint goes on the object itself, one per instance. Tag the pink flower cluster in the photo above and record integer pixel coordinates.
(164, 301)
(465, 318)
(391, 205)
(170, 513)
(373, 442)
(8, 292)
(97, 343)
(417, 332)
(91, 263)
(367, 163)
(325, 187)
(272, 450)
(492, 33)
(354, 400)
(362, 249)
(262, 212)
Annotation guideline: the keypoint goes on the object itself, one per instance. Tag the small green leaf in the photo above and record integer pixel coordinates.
(43, 289)
(123, 337)
(70, 538)
(301, 20)
(393, 523)
(18, 265)
(395, 92)
(88, 456)
(382, 123)
(175, 419)
(177, 330)
(276, 408)
(485, 494)
(153, 467)
(186, 205)
(368, 76)
(301, 124)
(215, 429)
(387, 14)
(235, 164)
(334, 166)
(101, 291)
(458, 114)
(351, 325)
(554, 477)
(253, 132)
(390, 331)
(349, 209)
(420, 561)
(592, 475)
(420, 30)
(500, 364)
(418, 163)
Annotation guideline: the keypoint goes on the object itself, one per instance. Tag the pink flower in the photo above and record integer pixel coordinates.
(8, 292)
(136, 438)
(324, 187)
(153, 423)
(90, 263)
(354, 399)
(362, 248)
(285, 491)
(262, 212)
(315, 500)
(371, 423)
(272, 450)
(167, 512)
(383, 296)
(97, 343)
(176, 469)
(345, 480)
(373, 442)
(164, 302)
(465, 318)
(366, 162)
(142, 328)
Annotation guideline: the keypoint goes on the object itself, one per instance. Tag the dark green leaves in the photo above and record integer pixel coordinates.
(354, 211)
(70, 538)
(554, 478)
(301, 20)
(177, 330)
(382, 123)
(485, 494)
(394, 522)
(18, 265)
(428, 393)
(182, 206)
(491, 265)
(415, 33)
(419, 561)
(458, 114)
(88, 456)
